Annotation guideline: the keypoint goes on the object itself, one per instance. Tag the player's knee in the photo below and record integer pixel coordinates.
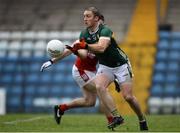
(100, 88)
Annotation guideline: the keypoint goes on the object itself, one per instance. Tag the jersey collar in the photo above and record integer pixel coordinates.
(96, 29)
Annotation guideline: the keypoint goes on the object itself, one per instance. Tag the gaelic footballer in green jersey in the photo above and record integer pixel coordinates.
(113, 62)
(113, 56)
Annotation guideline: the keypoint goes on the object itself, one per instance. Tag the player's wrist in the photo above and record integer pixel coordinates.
(51, 61)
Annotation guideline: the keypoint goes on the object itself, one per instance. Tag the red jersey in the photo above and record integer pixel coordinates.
(89, 63)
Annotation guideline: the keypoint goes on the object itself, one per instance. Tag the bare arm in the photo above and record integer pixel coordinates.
(65, 54)
(101, 46)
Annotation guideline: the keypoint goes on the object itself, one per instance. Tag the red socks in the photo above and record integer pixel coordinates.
(63, 107)
(109, 118)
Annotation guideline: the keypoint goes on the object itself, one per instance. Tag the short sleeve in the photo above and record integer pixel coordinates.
(106, 32)
(82, 34)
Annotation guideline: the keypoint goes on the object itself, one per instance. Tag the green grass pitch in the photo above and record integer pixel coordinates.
(84, 123)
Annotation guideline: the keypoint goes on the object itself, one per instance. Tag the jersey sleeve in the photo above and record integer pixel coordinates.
(106, 32)
(82, 35)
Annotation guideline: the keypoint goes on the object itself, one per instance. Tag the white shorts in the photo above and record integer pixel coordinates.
(122, 73)
(82, 77)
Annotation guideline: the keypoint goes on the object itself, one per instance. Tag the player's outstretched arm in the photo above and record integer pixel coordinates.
(54, 60)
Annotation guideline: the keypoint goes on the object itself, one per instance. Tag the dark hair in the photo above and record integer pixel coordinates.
(95, 11)
(102, 17)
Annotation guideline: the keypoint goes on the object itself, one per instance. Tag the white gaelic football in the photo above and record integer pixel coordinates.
(55, 48)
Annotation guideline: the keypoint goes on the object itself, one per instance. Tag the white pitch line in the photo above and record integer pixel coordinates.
(25, 120)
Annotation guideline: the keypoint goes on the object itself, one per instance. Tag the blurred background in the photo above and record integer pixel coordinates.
(147, 30)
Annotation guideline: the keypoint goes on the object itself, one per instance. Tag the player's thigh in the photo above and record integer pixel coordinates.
(82, 78)
(104, 76)
(102, 80)
(123, 74)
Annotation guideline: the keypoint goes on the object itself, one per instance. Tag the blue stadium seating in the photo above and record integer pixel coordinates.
(32, 78)
(170, 91)
(24, 82)
(19, 78)
(158, 78)
(166, 81)
(171, 78)
(164, 35)
(45, 78)
(163, 45)
(28, 103)
(16, 91)
(160, 66)
(173, 66)
(56, 91)
(157, 90)
(42, 91)
(6, 79)
(58, 78)
(174, 55)
(175, 35)
(30, 90)
(14, 104)
(175, 45)
(162, 55)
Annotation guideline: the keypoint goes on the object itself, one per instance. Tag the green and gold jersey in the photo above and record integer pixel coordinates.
(113, 56)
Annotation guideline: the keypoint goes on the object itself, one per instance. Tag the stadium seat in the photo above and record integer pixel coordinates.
(56, 91)
(28, 103)
(14, 102)
(69, 91)
(3, 54)
(3, 45)
(168, 105)
(16, 35)
(32, 78)
(171, 78)
(53, 34)
(175, 45)
(60, 67)
(6, 79)
(177, 105)
(41, 35)
(35, 66)
(174, 55)
(28, 35)
(158, 77)
(156, 90)
(16, 91)
(170, 91)
(9, 67)
(39, 45)
(154, 105)
(19, 78)
(160, 67)
(45, 78)
(42, 91)
(173, 66)
(163, 45)
(175, 35)
(30, 90)
(164, 35)
(4, 35)
(58, 78)
(162, 55)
